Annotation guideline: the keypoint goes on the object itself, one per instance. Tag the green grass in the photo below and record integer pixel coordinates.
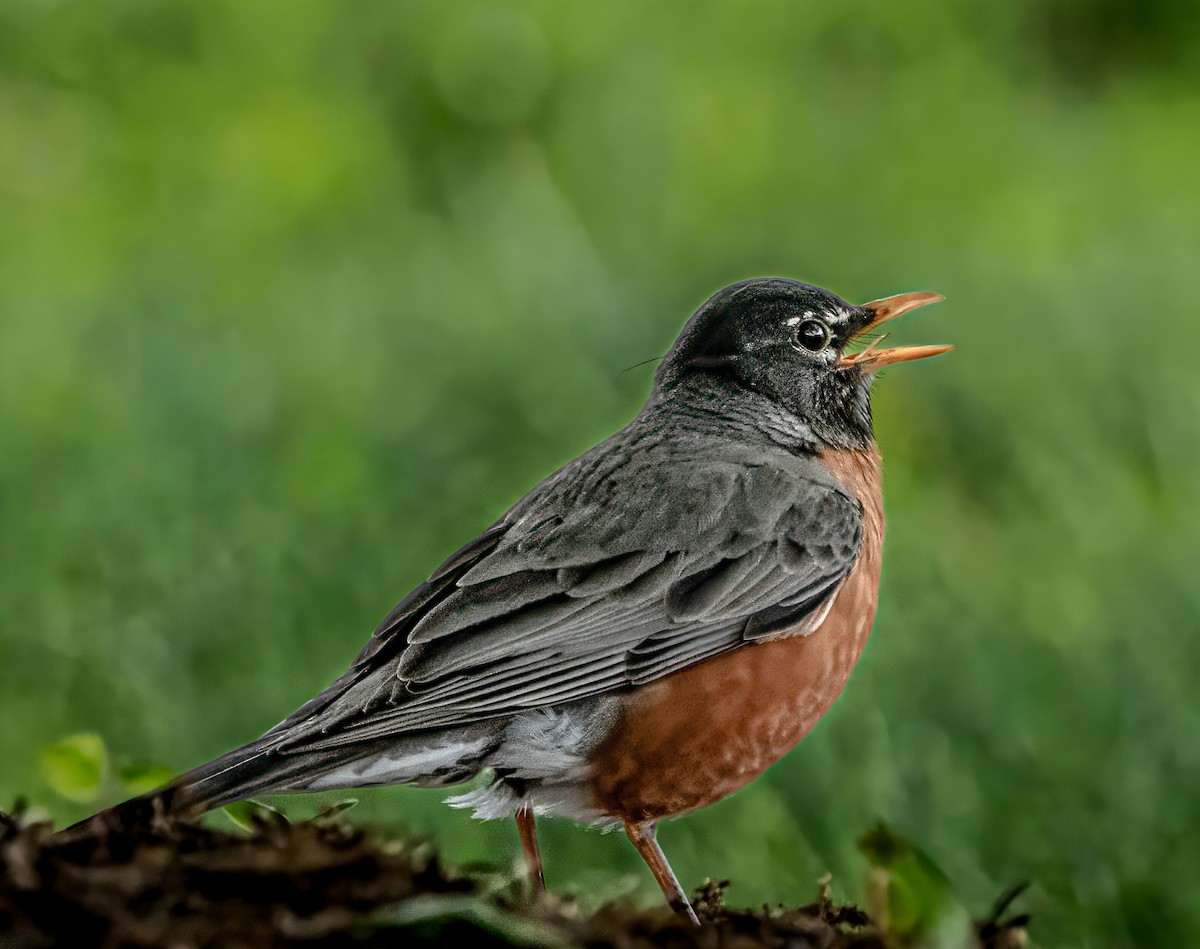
(297, 297)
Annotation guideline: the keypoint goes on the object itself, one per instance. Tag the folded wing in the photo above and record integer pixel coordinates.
(572, 595)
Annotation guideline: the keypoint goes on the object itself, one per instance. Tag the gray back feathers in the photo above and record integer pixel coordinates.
(654, 551)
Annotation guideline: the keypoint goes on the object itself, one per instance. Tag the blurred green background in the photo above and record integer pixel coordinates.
(295, 297)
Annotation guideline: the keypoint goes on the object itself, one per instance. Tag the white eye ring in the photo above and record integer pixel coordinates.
(811, 336)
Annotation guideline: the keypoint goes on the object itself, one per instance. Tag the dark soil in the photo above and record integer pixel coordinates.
(326, 883)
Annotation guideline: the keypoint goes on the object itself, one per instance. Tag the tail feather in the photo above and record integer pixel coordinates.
(239, 774)
(286, 760)
(255, 768)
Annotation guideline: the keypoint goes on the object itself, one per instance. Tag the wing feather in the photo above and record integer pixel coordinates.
(572, 595)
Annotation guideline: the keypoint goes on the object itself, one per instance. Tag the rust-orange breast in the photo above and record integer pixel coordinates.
(697, 736)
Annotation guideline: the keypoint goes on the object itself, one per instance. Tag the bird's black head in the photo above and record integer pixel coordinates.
(785, 341)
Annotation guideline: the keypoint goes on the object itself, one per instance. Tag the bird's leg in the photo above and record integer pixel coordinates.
(642, 836)
(533, 857)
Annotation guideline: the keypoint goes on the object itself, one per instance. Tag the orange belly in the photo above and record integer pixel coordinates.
(695, 737)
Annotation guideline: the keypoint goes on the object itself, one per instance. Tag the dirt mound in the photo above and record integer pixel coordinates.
(327, 883)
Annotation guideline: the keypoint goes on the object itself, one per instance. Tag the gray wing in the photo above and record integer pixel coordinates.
(613, 572)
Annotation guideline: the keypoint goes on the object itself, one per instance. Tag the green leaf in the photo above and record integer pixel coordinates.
(76, 767)
(140, 778)
(911, 896)
(248, 815)
(333, 810)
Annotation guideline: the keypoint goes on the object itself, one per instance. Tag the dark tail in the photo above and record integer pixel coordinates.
(252, 769)
(256, 768)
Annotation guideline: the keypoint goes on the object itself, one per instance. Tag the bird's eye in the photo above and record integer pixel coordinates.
(811, 335)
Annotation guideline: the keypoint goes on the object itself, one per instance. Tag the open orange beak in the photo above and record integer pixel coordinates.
(872, 358)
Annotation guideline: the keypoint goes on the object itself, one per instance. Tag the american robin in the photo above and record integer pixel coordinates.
(649, 628)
